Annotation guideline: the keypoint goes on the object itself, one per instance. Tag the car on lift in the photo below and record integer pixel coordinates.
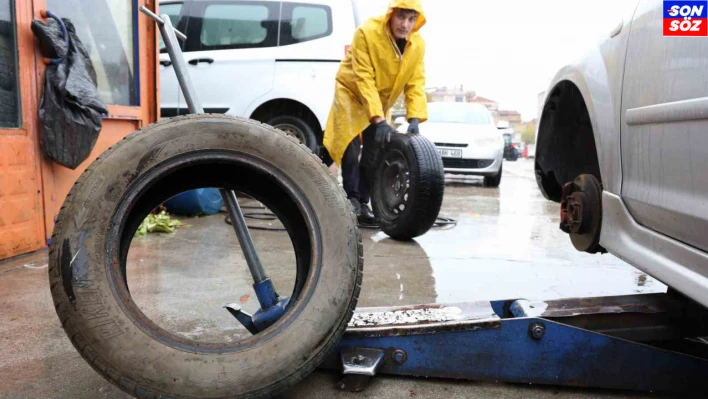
(272, 61)
(621, 145)
(466, 138)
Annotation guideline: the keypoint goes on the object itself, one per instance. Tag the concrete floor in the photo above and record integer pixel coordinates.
(506, 245)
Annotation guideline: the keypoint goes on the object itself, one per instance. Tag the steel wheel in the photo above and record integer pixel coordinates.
(395, 182)
(292, 130)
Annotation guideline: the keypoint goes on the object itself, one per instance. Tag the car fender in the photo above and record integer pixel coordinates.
(598, 77)
(319, 110)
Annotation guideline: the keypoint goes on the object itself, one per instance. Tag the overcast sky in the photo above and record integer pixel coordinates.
(508, 50)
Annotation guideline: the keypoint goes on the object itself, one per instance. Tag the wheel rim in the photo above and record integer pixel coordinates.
(292, 130)
(394, 185)
(140, 199)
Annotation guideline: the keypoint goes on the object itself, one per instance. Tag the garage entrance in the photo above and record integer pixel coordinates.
(120, 45)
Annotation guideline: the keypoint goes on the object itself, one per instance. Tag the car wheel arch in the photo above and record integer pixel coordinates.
(286, 106)
(565, 132)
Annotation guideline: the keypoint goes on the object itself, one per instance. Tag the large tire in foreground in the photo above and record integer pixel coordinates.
(104, 208)
(408, 186)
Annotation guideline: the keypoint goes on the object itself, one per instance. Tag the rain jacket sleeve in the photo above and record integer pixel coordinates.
(416, 101)
(364, 76)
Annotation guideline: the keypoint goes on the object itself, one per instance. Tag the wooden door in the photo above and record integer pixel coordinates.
(121, 42)
(22, 227)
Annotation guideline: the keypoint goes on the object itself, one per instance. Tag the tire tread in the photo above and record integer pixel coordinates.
(137, 388)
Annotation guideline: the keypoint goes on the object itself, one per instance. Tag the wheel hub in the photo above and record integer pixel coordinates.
(396, 181)
(292, 131)
(574, 214)
(581, 212)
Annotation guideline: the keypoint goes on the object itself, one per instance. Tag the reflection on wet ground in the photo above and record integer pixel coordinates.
(506, 245)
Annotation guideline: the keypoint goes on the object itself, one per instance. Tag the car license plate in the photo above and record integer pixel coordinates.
(448, 153)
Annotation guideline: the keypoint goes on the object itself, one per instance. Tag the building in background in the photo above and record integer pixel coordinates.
(491, 105)
(513, 117)
(450, 95)
(509, 118)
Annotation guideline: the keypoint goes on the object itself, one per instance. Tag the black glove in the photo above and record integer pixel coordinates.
(383, 133)
(375, 138)
(413, 126)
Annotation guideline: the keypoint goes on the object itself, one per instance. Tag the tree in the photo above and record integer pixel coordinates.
(528, 134)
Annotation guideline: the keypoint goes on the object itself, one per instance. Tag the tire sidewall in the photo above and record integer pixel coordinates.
(111, 340)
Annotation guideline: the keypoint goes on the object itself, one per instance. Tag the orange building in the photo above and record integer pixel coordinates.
(121, 43)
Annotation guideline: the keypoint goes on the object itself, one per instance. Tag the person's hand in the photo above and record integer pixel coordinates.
(383, 133)
(413, 126)
(375, 138)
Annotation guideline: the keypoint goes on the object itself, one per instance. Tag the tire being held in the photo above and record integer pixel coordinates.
(408, 187)
(104, 208)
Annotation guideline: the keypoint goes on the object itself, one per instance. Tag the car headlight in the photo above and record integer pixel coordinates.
(488, 141)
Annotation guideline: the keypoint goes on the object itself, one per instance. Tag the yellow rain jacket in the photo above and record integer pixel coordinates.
(373, 75)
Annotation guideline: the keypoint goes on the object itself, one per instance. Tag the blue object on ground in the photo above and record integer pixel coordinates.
(202, 201)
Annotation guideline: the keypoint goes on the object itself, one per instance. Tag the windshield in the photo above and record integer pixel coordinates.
(458, 113)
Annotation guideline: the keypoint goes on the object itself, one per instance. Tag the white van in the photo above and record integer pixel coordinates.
(272, 61)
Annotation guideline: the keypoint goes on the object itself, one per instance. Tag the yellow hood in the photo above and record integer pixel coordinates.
(411, 5)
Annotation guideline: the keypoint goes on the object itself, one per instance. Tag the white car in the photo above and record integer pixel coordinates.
(272, 61)
(467, 139)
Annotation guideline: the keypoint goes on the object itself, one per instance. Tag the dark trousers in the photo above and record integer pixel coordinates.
(354, 177)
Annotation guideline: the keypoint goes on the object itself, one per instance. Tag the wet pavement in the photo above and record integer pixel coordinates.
(505, 245)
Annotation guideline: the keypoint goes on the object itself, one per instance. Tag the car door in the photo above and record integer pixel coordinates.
(171, 99)
(314, 37)
(230, 52)
(664, 136)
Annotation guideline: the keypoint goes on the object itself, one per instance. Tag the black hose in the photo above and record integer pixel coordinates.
(439, 221)
(442, 222)
(257, 216)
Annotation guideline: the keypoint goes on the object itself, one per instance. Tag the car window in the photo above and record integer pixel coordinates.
(107, 30)
(236, 25)
(304, 22)
(457, 113)
(9, 89)
(172, 10)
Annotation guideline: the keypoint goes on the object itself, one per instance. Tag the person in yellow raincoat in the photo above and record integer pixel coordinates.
(385, 59)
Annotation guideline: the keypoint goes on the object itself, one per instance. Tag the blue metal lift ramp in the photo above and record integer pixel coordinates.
(637, 342)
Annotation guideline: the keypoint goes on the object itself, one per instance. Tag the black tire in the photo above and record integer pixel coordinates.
(101, 213)
(493, 181)
(8, 78)
(8, 109)
(425, 187)
(297, 128)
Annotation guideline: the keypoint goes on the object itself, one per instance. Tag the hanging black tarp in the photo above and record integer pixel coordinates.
(71, 107)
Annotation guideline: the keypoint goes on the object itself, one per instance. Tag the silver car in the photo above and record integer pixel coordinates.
(466, 138)
(622, 144)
